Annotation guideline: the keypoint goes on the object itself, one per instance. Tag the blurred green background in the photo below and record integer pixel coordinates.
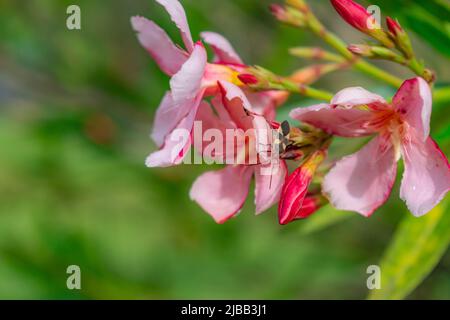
(76, 110)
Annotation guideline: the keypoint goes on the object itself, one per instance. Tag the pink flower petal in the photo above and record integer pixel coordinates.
(211, 120)
(178, 142)
(265, 103)
(222, 113)
(336, 121)
(231, 91)
(222, 48)
(222, 193)
(426, 179)
(269, 181)
(236, 104)
(169, 57)
(178, 16)
(355, 96)
(363, 181)
(168, 116)
(414, 101)
(186, 83)
(264, 136)
(214, 124)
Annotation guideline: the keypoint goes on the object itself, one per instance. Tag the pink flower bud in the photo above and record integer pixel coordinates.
(295, 190)
(278, 11)
(288, 15)
(360, 50)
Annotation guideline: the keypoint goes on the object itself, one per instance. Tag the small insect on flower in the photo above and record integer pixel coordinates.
(282, 142)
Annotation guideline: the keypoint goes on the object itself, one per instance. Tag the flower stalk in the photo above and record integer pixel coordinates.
(316, 54)
(316, 27)
(312, 23)
(264, 80)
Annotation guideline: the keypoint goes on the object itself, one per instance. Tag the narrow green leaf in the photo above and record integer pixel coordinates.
(417, 247)
(429, 28)
(441, 97)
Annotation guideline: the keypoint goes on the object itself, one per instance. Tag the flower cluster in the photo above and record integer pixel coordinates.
(238, 104)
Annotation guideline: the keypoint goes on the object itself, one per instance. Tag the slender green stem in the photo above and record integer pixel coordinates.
(267, 80)
(285, 84)
(340, 46)
(416, 67)
(315, 93)
(305, 90)
(316, 54)
(419, 69)
(378, 73)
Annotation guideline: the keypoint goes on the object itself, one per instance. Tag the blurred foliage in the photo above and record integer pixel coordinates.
(416, 248)
(75, 112)
(429, 19)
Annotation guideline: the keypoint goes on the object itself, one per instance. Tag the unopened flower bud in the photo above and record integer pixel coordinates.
(400, 37)
(376, 52)
(296, 187)
(248, 79)
(313, 73)
(288, 15)
(311, 204)
(278, 11)
(360, 49)
(298, 4)
(358, 17)
(394, 27)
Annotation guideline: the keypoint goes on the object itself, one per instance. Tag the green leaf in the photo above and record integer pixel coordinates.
(430, 28)
(441, 97)
(428, 19)
(417, 247)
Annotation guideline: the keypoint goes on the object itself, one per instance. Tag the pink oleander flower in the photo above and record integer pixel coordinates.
(363, 181)
(222, 193)
(296, 202)
(193, 78)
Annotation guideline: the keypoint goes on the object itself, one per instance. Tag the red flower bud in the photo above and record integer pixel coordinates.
(310, 205)
(295, 190)
(355, 14)
(394, 27)
(400, 37)
(248, 79)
